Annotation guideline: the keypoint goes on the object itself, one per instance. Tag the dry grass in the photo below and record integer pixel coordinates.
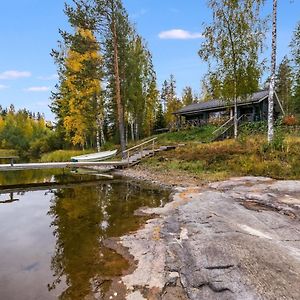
(220, 160)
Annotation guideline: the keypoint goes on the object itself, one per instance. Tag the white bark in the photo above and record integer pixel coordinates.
(235, 119)
(273, 74)
(98, 139)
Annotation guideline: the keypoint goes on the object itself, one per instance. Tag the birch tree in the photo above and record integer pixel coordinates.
(231, 47)
(273, 75)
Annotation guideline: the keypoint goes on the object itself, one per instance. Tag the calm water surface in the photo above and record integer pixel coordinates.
(51, 239)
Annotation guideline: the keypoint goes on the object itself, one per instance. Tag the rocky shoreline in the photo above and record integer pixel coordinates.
(235, 239)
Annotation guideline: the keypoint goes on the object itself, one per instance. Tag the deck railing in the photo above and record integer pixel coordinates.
(139, 148)
(222, 126)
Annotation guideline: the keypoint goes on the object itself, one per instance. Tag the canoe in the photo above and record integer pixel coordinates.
(94, 156)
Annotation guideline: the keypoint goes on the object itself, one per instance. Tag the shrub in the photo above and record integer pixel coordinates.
(290, 120)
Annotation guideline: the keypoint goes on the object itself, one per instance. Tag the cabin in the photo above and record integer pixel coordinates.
(252, 108)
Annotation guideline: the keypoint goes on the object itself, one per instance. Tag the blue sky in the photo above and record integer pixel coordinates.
(172, 28)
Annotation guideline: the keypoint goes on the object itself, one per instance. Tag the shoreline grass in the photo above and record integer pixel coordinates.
(229, 158)
(62, 155)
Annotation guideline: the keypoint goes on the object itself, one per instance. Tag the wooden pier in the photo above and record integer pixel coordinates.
(133, 156)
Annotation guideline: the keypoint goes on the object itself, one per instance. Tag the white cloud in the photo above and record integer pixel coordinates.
(179, 34)
(3, 87)
(38, 89)
(13, 74)
(50, 77)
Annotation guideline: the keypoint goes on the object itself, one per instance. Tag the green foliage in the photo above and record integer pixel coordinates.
(231, 47)
(197, 134)
(62, 155)
(284, 83)
(295, 47)
(26, 133)
(128, 102)
(8, 152)
(170, 101)
(187, 96)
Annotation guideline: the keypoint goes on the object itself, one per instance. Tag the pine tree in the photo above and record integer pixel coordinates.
(172, 101)
(284, 82)
(187, 96)
(295, 47)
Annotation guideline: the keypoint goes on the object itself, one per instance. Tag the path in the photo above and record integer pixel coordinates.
(237, 239)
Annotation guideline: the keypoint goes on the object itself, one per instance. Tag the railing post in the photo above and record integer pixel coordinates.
(128, 156)
(153, 146)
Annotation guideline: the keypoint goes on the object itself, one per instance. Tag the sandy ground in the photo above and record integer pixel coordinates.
(235, 239)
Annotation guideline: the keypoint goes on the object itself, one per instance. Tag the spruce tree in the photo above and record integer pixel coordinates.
(295, 46)
(284, 81)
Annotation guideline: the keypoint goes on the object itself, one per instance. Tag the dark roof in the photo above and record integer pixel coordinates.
(217, 104)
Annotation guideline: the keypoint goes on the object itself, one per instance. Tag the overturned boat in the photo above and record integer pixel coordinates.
(94, 156)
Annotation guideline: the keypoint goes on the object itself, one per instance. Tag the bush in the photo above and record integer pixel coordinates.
(290, 120)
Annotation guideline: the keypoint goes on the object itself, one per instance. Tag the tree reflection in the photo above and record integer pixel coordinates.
(83, 217)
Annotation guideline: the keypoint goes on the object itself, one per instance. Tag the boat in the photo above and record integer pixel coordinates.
(93, 157)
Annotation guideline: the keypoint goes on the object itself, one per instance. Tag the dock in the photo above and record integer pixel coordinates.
(133, 156)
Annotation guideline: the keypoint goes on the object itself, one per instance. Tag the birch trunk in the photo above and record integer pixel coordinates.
(132, 130)
(235, 119)
(273, 74)
(98, 139)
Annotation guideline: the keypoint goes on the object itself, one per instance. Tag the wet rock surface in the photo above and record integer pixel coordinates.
(236, 239)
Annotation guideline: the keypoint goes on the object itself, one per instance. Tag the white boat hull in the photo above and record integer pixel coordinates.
(94, 156)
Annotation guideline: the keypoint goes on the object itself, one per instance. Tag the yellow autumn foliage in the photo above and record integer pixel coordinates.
(83, 88)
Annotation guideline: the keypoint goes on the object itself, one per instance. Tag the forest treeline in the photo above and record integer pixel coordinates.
(26, 132)
(107, 89)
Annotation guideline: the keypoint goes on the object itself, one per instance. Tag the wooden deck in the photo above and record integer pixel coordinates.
(59, 165)
(134, 156)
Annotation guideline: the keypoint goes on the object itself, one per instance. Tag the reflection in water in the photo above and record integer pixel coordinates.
(80, 218)
(28, 176)
(10, 200)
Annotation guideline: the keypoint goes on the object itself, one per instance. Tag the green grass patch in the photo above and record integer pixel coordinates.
(62, 155)
(197, 134)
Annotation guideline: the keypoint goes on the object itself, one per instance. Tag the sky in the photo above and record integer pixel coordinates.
(172, 29)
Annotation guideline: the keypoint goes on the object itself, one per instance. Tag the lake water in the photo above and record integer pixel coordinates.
(51, 238)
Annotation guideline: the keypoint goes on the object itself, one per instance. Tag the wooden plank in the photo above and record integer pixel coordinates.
(30, 187)
(134, 159)
(59, 165)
